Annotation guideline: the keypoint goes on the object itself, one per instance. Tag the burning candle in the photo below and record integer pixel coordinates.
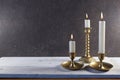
(72, 45)
(87, 22)
(101, 35)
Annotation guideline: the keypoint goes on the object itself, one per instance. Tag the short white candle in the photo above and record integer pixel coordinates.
(101, 35)
(87, 22)
(72, 45)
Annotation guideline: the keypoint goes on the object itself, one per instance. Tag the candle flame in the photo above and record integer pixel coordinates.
(101, 15)
(86, 16)
(71, 36)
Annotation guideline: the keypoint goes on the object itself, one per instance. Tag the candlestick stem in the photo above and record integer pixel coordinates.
(72, 56)
(87, 43)
(87, 57)
(101, 58)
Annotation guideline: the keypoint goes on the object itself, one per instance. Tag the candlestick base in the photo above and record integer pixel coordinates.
(72, 66)
(101, 66)
(86, 59)
(105, 66)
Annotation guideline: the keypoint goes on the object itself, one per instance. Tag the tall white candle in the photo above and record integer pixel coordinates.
(87, 22)
(72, 45)
(101, 35)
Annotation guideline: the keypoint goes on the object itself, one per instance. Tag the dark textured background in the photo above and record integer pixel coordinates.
(43, 27)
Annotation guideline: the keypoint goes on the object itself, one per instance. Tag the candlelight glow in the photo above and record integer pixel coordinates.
(71, 36)
(101, 15)
(86, 16)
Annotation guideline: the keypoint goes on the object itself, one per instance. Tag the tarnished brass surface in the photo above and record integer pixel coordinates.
(72, 65)
(75, 66)
(101, 66)
(105, 66)
(87, 58)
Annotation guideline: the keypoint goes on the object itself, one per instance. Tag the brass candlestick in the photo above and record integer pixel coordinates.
(87, 58)
(72, 65)
(101, 66)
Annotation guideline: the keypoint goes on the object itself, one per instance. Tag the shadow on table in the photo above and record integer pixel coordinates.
(88, 68)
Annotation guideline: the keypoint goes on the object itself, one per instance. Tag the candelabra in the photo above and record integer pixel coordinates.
(87, 58)
(72, 65)
(101, 66)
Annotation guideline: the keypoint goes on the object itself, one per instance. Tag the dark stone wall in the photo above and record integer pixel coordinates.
(43, 27)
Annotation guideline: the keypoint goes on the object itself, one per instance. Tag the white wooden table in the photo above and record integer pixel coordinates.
(50, 67)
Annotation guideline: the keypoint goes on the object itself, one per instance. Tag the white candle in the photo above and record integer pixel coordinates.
(101, 35)
(87, 22)
(72, 45)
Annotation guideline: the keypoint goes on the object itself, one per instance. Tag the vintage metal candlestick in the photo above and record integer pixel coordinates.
(101, 66)
(72, 65)
(87, 58)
